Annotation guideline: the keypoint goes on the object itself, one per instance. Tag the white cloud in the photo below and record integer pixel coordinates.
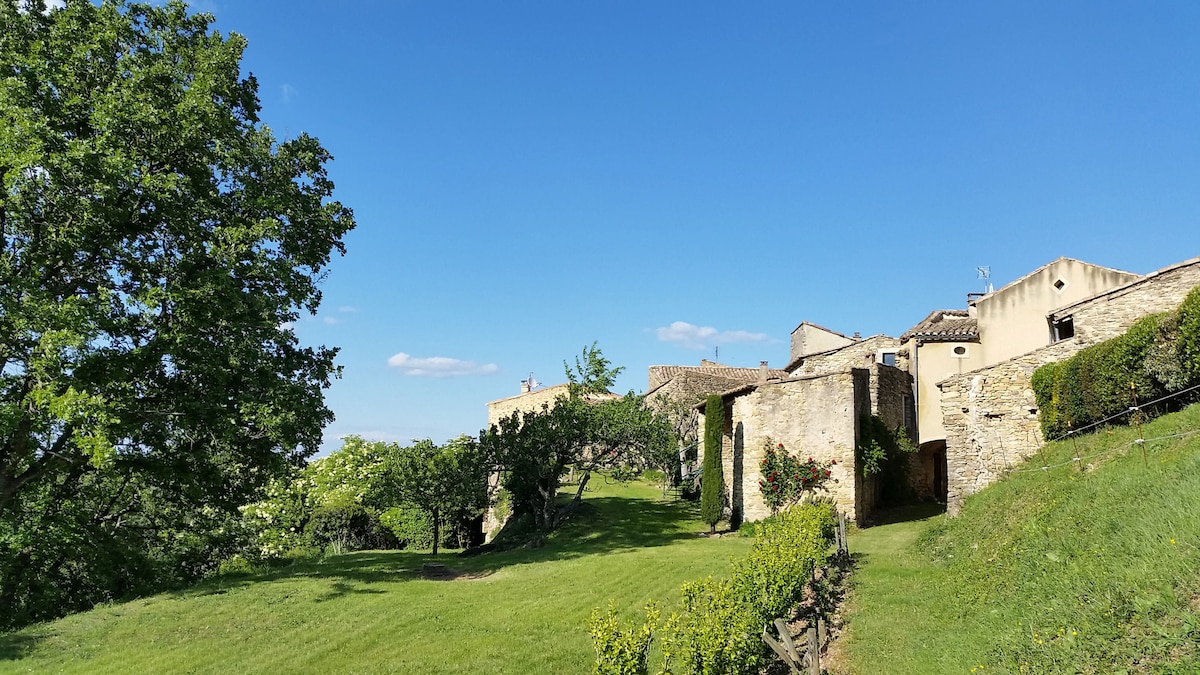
(331, 321)
(703, 337)
(439, 366)
(289, 93)
(287, 325)
(347, 309)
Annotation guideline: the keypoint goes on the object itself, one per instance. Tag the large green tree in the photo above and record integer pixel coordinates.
(447, 482)
(156, 243)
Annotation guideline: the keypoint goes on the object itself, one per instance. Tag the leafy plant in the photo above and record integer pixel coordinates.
(621, 650)
(786, 479)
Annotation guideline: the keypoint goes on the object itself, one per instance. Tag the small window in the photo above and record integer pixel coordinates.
(959, 352)
(1063, 328)
(1059, 285)
(888, 358)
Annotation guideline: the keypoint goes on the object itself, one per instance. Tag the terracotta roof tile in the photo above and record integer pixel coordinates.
(948, 325)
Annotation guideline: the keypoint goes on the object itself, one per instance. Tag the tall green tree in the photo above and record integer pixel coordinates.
(712, 480)
(155, 243)
(447, 482)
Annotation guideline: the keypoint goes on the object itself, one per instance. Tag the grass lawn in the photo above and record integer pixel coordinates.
(520, 611)
(1092, 569)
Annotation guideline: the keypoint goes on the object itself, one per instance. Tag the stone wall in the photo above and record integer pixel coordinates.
(991, 421)
(526, 402)
(990, 415)
(861, 354)
(812, 417)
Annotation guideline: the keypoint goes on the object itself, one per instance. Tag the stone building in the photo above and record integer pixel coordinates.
(994, 327)
(989, 417)
(815, 411)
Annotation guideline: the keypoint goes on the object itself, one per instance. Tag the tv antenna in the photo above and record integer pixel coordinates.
(985, 273)
(531, 383)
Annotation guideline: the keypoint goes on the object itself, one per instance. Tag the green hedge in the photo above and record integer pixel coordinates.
(718, 629)
(1158, 355)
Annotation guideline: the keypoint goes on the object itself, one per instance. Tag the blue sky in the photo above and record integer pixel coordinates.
(530, 177)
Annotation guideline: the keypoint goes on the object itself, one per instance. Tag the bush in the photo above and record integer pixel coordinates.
(786, 479)
(1189, 335)
(719, 628)
(1158, 355)
(620, 650)
(347, 528)
(412, 527)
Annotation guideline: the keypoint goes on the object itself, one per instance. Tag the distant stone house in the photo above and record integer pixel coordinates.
(674, 390)
(815, 411)
(530, 399)
(987, 416)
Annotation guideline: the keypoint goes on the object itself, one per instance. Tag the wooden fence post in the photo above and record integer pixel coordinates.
(814, 652)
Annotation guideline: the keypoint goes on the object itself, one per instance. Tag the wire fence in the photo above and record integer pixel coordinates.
(1140, 441)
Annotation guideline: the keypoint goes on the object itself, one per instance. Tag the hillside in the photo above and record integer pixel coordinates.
(1088, 566)
(520, 611)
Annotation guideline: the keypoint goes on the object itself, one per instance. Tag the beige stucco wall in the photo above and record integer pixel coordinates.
(990, 415)
(810, 339)
(930, 363)
(1012, 320)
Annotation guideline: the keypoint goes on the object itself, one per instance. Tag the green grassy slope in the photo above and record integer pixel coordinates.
(1092, 569)
(371, 612)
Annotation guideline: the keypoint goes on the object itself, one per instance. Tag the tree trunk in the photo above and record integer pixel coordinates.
(437, 534)
(587, 475)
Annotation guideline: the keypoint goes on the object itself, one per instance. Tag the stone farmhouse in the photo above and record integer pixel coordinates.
(813, 406)
(958, 382)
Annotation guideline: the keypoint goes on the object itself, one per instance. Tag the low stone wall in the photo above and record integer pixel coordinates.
(990, 414)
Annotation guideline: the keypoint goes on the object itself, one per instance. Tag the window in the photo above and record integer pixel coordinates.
(888, 358)
(1062, 329)
(959, 352)
(1059, 285)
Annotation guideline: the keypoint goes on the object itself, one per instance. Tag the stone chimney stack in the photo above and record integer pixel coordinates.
(525, 386)
(762, 372)
(857, 335)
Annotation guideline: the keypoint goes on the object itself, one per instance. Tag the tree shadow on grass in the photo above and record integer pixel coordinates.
(600, 526)
(906, 513)
(16, 645)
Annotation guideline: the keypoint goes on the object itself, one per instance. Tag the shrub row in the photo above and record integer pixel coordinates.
(719, 628)
(1158, 355)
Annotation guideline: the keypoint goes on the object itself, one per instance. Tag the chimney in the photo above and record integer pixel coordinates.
(525, 386)
(857, 335)
(762, 372)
